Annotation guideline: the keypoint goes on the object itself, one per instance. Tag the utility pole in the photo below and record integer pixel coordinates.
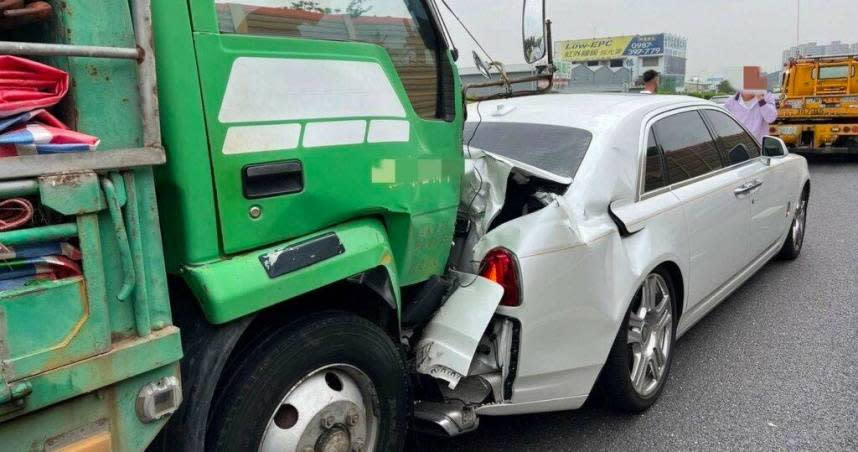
(797, 24)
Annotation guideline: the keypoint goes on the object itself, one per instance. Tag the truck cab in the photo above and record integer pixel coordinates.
(300, 163)
(266, 222)
(818, 109)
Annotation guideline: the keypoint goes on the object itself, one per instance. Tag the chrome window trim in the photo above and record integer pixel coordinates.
(646, 128)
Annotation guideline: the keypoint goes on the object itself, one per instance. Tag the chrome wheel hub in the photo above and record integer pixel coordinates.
(650, 330)
(798, 223)
(332, 409)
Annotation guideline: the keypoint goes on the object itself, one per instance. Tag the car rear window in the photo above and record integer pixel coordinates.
(556, 149)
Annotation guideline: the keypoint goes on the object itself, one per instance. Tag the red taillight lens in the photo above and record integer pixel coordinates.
(500, 266)
(772, 130)
(847, 129)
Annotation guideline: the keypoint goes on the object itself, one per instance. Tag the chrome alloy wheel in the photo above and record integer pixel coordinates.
(798, 223)
(332, 409)
(650, 332)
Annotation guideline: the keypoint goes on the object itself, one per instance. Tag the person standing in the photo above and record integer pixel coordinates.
(650, 79)
(754, 111)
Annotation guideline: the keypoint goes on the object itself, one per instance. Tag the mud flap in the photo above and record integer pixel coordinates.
(450, 339)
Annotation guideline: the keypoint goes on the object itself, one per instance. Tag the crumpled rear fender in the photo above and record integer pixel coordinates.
(450, 339)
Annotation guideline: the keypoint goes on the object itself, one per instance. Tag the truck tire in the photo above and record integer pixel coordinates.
(328, 381)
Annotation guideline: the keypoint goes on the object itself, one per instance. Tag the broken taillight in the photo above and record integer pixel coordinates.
(501, 267)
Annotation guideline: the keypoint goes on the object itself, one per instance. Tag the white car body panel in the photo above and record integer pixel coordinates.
(578, 272)
(450, 339)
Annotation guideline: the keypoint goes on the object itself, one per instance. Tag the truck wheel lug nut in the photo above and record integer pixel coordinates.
(352, 417)
(328, 421)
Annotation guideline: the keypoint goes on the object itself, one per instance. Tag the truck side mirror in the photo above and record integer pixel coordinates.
(533, 30)
(481, 65)
(774, 147)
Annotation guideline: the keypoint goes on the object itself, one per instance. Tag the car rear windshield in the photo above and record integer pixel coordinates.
(556, 149)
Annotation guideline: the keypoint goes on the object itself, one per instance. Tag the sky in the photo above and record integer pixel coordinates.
(722, 34)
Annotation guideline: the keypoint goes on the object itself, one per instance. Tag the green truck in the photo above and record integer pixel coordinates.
(255, 229)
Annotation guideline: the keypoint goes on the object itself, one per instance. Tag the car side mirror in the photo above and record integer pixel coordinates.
(774, 147)
(533, 30)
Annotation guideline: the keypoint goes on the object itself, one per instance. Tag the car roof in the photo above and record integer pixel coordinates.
(592, 112)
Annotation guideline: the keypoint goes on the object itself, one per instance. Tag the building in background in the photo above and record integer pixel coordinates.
(616, 63)
(811, 49)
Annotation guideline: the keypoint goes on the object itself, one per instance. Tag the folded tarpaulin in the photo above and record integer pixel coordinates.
(39, 250)
(27, 85)
(19, 273)
(38, 132)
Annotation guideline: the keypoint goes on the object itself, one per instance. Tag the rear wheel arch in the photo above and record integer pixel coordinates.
(370, 295)
(675, 273)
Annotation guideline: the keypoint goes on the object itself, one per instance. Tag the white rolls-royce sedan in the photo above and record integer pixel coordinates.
(596, 230)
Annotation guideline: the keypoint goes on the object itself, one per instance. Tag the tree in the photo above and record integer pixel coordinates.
(312, 5)
(725, 87)
(356, 8)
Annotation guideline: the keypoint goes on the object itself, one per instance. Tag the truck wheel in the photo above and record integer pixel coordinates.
(330, 381)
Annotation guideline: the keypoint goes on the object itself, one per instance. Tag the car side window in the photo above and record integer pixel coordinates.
(734, 143)
(687, 146)
(654, 177)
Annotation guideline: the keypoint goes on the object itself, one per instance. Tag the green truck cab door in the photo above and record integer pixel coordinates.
(321, 112)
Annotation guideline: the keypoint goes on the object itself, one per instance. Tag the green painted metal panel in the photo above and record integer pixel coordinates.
(38, 234)
(239, 286)
(126, 359)
(111, 408)
(400, 181)
(185, 188)
(102, 98)
(72, 194)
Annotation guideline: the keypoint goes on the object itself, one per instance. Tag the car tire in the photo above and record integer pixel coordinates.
(331, 378)
(639, 361)
(795, 238)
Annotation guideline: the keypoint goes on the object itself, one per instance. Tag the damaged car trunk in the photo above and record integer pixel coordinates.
(466, 355)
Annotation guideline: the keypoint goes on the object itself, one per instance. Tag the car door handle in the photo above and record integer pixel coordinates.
(272, 179)
(746, 188)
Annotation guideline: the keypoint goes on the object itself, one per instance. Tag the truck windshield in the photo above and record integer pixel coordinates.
(403, 27)
(556, 149)
(833, 72)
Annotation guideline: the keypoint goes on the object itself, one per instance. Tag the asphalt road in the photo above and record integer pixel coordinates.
(775, 366)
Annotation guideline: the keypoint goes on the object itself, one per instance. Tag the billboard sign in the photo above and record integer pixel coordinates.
(609, 48)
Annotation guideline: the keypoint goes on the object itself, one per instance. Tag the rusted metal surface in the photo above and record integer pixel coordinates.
(16, 13)
(148, 84)
(72, 193)
(39, 49)
(37, 165)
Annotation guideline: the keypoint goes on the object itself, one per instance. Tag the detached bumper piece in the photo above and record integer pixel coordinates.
(450, 339)
(449, 418)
